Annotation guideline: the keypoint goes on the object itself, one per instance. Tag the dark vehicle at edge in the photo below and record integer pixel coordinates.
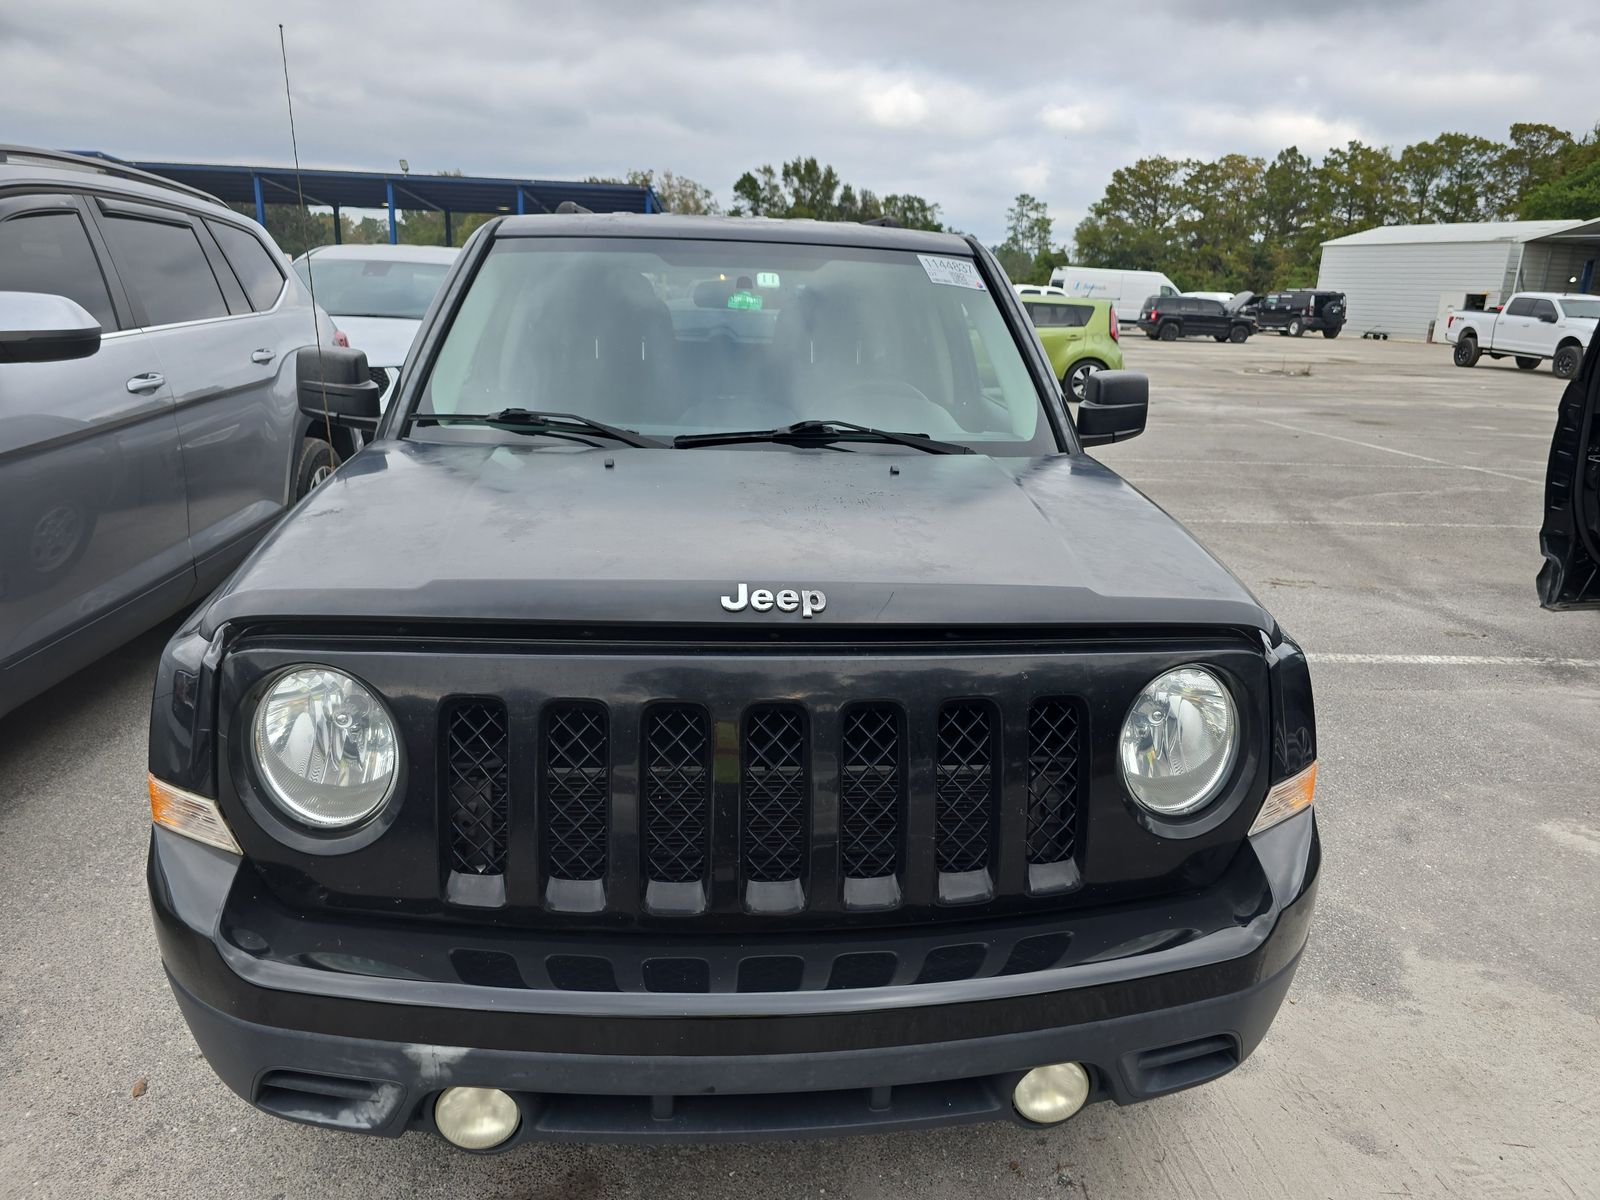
(1169, 318)
(1570, 537)
(740, 709)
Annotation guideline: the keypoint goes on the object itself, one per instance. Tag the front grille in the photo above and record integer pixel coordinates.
(871, 787)
(669, 811)
(577, 790)
(677, 792)
(774, 793)
(1052, 781)
(478, 786)
(964, 787)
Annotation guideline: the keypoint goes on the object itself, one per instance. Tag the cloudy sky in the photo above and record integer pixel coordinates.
(966, 104)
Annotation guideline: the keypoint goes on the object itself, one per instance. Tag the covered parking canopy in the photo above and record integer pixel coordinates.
(447, 194)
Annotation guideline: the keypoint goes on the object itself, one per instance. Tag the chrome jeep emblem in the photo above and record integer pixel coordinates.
(805, 601)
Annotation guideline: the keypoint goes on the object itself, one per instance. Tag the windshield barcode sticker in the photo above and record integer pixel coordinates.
(956, 272)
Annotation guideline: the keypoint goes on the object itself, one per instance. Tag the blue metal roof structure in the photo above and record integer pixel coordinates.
(445, 194)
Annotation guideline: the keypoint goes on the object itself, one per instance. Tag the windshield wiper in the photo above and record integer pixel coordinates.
(820, 433)
(526, 420)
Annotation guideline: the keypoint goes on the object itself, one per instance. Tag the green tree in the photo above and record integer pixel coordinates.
(1536, 156)
(1134, 225)
(1452, 178)
(1360, 187)
(806, 188)
(1574, 196)
(1218, 233)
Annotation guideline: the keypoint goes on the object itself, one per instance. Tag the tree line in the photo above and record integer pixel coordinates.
(1232, 223)
(1239, 221)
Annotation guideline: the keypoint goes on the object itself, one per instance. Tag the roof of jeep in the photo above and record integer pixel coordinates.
(731, 229)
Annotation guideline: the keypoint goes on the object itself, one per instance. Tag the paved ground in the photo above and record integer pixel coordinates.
(1441, 1039)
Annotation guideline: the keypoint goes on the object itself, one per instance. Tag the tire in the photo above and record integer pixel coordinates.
(1526, 364)
(317, 462)
(1076, 380)
(1567, 361)
(1238, 335)
(1330, 333)
(1295, 327)
(1466, 352)
(1168, 331)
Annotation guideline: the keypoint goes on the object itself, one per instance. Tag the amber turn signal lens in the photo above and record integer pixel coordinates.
(1287, 797)
(193, 816)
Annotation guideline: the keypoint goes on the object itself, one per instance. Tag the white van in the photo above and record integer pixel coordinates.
(1127, 290)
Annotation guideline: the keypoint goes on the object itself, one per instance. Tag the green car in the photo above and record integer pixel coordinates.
(1080, 337)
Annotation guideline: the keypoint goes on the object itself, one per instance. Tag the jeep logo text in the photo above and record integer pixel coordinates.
(805, 601)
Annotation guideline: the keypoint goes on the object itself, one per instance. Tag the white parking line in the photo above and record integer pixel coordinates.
(1451, 660)
(1391, 450)
(1355, 524)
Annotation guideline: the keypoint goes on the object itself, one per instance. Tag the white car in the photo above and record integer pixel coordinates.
(1532, 327)
(377, 296)
(1037, 289)
(1219, 297)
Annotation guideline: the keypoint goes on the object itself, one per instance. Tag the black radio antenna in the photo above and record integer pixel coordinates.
(311, 274)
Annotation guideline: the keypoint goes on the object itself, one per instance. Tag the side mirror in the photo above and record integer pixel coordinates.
(1549, 318)
(39, 327)
(335, 382)
(1115, 407)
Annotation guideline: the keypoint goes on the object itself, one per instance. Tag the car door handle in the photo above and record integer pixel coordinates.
(262, 356)
(148, 382)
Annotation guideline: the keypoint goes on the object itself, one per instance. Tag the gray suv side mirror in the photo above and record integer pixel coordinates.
(335, 383)
(39, 327)
(1115, 407)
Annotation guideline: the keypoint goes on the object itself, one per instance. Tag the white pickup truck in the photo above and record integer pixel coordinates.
(1532, 326)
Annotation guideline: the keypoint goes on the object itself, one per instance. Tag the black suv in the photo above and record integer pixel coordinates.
(739, 708)
(1292, 313)
(1172, 317)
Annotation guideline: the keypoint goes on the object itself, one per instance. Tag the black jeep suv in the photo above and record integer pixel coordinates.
(1292, 313)
(1172, 317)
(739, 707)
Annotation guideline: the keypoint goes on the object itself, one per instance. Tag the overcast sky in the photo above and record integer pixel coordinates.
(964, 104)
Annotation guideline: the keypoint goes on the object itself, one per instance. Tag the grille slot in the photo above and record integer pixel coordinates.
(774, 789)
(677, 792)
(478, 784)
(1052, 781)
(871, 790)
(964, 786)
(577, 792)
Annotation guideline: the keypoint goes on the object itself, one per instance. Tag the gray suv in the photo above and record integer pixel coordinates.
(149, 429)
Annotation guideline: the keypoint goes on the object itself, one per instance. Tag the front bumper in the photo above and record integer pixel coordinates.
(369, 1053)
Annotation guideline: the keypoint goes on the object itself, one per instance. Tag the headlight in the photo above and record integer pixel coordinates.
(1179, 741)
(325, 747)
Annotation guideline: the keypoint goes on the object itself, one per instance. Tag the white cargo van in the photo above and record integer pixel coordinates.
(1127, 290)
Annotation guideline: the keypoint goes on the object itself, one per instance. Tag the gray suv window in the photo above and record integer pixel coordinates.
(50, 252)
(251, 262)
(165, 268)
(1544, 308)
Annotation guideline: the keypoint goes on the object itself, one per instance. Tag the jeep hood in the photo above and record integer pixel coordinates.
(465, 533)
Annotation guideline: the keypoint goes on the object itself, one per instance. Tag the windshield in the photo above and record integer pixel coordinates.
(372, 287)
(670, 337)
(1582, 308)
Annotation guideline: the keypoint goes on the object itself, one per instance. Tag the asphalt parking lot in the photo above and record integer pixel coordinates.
(1440, 1039)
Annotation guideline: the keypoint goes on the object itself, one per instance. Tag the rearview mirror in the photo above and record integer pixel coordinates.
(1115, 406)
(39, 327)
(336, 384)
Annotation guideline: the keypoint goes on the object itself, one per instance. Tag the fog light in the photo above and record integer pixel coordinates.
(1049, 1095)
(476, 1118)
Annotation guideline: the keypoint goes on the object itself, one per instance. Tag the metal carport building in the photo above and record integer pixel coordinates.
(1399, 278)
(383, 191)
